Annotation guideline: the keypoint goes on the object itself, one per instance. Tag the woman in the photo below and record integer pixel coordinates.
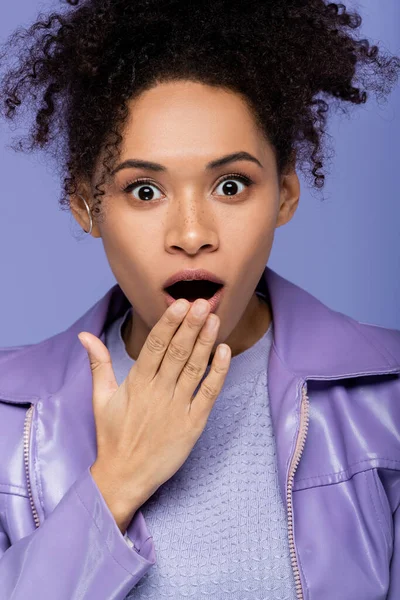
(141, 463)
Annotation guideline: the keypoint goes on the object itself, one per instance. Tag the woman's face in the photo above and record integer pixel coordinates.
(185, 216)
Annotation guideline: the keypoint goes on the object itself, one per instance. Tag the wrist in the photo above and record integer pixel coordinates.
(119, 506)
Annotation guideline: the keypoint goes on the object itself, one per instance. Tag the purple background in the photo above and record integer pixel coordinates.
(345, 251)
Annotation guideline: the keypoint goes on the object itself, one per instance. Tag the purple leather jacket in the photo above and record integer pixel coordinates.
(334, 387)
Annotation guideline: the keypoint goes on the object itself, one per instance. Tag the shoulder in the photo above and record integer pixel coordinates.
(386, 340)
(17, 366)
(354, 420)
(36, 374)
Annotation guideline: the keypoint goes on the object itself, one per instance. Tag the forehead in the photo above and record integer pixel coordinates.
(180, 117)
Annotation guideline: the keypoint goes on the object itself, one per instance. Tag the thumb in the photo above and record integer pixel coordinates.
(104, 383)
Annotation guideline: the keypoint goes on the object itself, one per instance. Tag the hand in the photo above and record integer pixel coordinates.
(147, 426)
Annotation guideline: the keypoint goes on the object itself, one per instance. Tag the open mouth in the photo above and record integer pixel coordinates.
(191, 290)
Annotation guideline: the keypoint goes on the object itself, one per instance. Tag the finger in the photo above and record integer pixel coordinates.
(202, 403)
(103, 376)
(197, 362)
(181, 346)
(158, 340)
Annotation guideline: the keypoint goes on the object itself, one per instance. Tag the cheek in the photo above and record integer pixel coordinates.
(122, 234)
(125, 251)
(254, 229)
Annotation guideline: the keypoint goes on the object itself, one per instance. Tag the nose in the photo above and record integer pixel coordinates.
(191, 227)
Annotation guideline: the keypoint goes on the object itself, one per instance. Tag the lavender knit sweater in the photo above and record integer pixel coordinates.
(219, 524)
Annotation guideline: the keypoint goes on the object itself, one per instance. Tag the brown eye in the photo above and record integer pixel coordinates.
(145, 191)
(230, 187)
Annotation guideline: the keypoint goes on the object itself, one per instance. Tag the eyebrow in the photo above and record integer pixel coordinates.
(214, 164)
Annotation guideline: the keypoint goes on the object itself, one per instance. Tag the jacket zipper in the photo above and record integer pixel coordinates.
(27, 436)
(300, 443)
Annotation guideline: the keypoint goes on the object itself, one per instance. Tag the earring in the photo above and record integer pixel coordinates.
(89, 213)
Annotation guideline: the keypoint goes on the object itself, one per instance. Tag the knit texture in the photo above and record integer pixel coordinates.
(219, 524)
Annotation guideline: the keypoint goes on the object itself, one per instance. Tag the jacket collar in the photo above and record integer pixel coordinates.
(311, 341)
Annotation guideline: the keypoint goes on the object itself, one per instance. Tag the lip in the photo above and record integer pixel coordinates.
(214, 301)
(187, 274)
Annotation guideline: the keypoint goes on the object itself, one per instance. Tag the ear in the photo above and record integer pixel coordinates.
(289, 195)
(79, 210)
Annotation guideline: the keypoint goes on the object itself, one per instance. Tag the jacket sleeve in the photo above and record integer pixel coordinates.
(395, 561)
(77, 552)
(389, 488)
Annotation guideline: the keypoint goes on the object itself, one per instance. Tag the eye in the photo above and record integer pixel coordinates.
(230, 187)
(146, 194)
(145, 187)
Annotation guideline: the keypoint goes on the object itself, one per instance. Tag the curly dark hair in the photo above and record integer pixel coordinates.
(76, 70)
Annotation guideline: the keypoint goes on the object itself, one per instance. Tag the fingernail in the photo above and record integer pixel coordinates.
(200, 308)
(179, 308)
(82, 339)
(211, 324)
(222, 351)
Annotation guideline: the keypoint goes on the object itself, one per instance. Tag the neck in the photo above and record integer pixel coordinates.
(251, 327)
